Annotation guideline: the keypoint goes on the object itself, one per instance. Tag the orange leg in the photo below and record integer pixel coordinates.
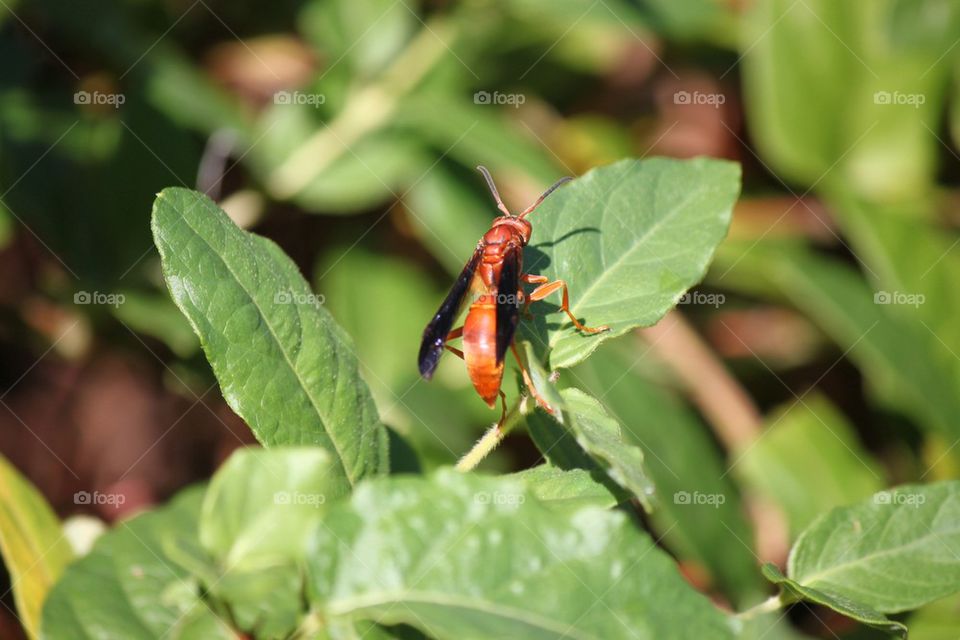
(529, 382)
(546, 288)
(456, 333)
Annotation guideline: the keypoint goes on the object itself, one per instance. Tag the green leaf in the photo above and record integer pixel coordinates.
(282, 362)
(565, 489)
(589, 438)
(700, 516)
(464, 556)
(894, 552)
(31, 543)
(262, 503)
(629, 239)
(128, 587)
(256, 516)
(793, 591)
(808, 461)
(602, 437)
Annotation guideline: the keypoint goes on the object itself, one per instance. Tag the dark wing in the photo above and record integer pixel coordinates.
(435, 335)
(508, 301)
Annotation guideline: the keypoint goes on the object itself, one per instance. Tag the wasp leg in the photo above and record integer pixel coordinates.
(529, 382)
(546, 288)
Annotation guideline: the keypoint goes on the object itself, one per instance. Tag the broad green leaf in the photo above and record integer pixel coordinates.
(808, 461)
(566, 488)
(629, 239)
(793, 591)
(282, 362)
(904, 363)
(894, 552)
(32, 544)
(127, 587)
(464, 556)
(700, 515)
(589, 438)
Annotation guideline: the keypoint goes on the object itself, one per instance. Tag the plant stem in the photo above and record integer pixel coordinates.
(365, 111)
(491, 439)
(773, 603)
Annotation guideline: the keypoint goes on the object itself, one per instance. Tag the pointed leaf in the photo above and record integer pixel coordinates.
(282, 362)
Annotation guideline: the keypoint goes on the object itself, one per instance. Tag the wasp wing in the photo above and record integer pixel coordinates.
(508, 301)
(435, 335)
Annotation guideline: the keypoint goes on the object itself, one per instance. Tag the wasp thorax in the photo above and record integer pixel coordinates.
(506, 227)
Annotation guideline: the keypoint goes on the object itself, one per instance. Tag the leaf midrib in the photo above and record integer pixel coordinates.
(279, 344)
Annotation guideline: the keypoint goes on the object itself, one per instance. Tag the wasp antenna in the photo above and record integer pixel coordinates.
(493, 189)
(545, 194)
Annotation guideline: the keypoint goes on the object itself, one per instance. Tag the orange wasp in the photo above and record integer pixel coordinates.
(493, 275)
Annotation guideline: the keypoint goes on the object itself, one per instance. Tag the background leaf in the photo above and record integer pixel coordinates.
(32, 544)
(128, 586)
(275, 351)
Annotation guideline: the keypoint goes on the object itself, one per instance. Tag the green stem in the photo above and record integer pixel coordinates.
(366, 110)
(773, 603)
(491, 439)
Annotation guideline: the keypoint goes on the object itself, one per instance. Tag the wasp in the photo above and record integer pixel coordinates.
(493, 275)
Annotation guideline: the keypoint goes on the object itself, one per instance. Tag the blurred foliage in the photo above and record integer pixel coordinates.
(351, 129)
